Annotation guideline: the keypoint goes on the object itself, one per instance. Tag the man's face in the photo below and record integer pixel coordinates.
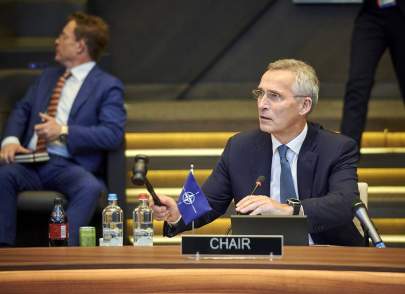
(280, 113)
(67, 47)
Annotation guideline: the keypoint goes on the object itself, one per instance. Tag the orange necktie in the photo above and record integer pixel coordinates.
(53, 106)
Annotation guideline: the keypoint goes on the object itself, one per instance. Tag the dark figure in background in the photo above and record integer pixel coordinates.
(379, 25)
(73, 114)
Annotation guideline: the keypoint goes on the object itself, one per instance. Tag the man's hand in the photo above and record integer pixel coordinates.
(9, 151)
(49, 128)
(260, 204)
(168, 212)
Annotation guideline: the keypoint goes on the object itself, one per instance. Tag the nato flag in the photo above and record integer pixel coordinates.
(192, 202)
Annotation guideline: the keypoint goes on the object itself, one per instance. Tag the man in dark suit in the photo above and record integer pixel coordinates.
(73, 114)
(378, 26)
(308, 170)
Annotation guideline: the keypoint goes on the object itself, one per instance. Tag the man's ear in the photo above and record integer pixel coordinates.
(82, 47)
(306, 106)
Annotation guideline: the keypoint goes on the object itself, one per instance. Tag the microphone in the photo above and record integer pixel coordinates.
(360, 211)
(259, 182)
(138, 178)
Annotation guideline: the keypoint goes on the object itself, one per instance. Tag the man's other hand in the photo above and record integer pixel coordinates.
(49, 128)
(259, 204)
(9, 151)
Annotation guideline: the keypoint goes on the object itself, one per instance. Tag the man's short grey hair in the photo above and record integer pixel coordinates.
(306, 81)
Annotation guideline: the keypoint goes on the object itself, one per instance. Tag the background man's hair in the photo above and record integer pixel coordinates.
(93, 30)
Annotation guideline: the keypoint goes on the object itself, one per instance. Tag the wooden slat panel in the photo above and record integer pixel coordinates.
(177, 140)
(372, 176)
(383, 139)
(218, 139)
(393, 226)
(382, 176)
(218, 227)
(390, 225)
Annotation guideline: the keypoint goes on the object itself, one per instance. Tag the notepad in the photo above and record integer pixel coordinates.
(32, 157)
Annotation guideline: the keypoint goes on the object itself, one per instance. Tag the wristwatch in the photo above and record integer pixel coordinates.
(63, 134)
(296, 205)
(169, 230)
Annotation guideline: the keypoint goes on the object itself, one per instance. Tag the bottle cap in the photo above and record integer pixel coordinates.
(112, 197)
(58, 200)
(143, 196)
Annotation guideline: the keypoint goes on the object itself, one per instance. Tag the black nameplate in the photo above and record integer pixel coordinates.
(232, 245)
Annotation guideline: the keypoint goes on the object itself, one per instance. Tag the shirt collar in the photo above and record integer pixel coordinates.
(81, 71)
(295, 144)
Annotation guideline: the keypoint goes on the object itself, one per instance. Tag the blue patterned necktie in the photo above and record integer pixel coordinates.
(287, 189)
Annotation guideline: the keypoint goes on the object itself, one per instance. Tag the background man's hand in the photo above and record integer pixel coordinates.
(9, 151)
(255, 205)
(49, 128)
(169, 212)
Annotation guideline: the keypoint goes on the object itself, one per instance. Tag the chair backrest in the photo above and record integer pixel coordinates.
(13, 86)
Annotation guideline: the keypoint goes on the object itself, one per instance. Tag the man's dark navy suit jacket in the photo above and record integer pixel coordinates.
(326, 176)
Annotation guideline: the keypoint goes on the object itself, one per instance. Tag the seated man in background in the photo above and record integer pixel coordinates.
(73, 114)
(308, 170)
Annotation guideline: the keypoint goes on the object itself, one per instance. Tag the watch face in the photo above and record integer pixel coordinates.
(293, 201)
(296, 204)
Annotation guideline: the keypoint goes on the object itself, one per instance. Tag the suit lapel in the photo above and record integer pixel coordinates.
(262, 164)
(85, 91)
(306, 164)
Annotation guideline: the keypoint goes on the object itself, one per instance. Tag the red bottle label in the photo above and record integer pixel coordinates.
(58, 231)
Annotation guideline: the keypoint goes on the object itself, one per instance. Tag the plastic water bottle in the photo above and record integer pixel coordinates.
(112, 222)
(143, 222)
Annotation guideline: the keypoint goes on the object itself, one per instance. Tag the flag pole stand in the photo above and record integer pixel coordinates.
(192, 168)
(192, 223)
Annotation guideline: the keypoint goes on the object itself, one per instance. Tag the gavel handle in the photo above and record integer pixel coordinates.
(152, 192)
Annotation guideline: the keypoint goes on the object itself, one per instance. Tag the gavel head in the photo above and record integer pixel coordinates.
(139, 169)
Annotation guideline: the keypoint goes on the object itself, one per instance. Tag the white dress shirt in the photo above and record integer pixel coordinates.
(67, 98)
(294, 147)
